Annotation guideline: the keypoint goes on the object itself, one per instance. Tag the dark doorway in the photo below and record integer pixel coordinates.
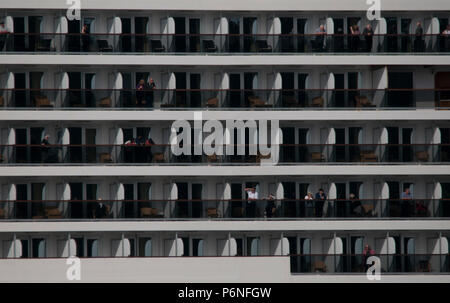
(405, 27)
(34, 29)
(74, 37)
(289, 205)
(234, 39)
(445, 201)
(339, 93)
(181, 86)
(180, 34)
(303, 151)
(182, 205)
(338, 38)
(194, 35)
(22, 209)
(19, 34)
(340, 145)
(393, 148)
(249, 87)
(197, 204)
(250, 24)
(442, 85)
(302, 93)
(20, 92)
(75, 141)
(445, 147)
(352, 85)
(392, 34)
(75, 94)
(354, 141)
(237, 209)
(235, 93)
(37, 154)
(287, 37)
(288, 86)
(76, 194)
(129, 206)
(301, 41)
(402, 96)
(195, 93)
(288, 148)
(394, 205)
(125, 37)
(140, 30)
(21, 152)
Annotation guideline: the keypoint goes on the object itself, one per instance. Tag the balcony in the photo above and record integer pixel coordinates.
(160, 154)
(225, 99)
(355, 263)
(230, 209)
(224, 43)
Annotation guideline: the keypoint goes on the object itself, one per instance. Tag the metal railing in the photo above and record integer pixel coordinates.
(356, 263)
(313, 99)
(224, 43)
(161, 154)
(229, 209)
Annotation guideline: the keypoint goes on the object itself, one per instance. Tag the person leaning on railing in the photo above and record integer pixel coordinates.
(367, 252)
(140, 93)
(418, 41)
(320, 199)
(318, 44)
(270, 207)
(3, 35)
(85, 39)
(446, 34)
(252, 196)
(309, 207)
(45, 143)
(354, 30)
(149, 95)
(368, 37)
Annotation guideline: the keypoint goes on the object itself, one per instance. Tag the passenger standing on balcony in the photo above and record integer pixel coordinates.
(418, 41)
(149, 94)
(140, 93)
(354, 30)
(99, 210)
(368, 37)
(45, 143)
(367, 252)
(355, 205)
(309, 209)
(148, 149)
(85, 39)
(252, 196)
(3, 35)
(270, 207)
(406, 203)
(446, 34)
(320, 38)
(320, 199)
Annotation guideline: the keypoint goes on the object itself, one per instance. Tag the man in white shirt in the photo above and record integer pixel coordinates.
(252, 196)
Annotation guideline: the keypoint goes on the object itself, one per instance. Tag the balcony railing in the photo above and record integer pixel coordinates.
(224, 43)
(161, 154)
(230, 209)
(339, 264)
(356, 263)
(229, 99)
